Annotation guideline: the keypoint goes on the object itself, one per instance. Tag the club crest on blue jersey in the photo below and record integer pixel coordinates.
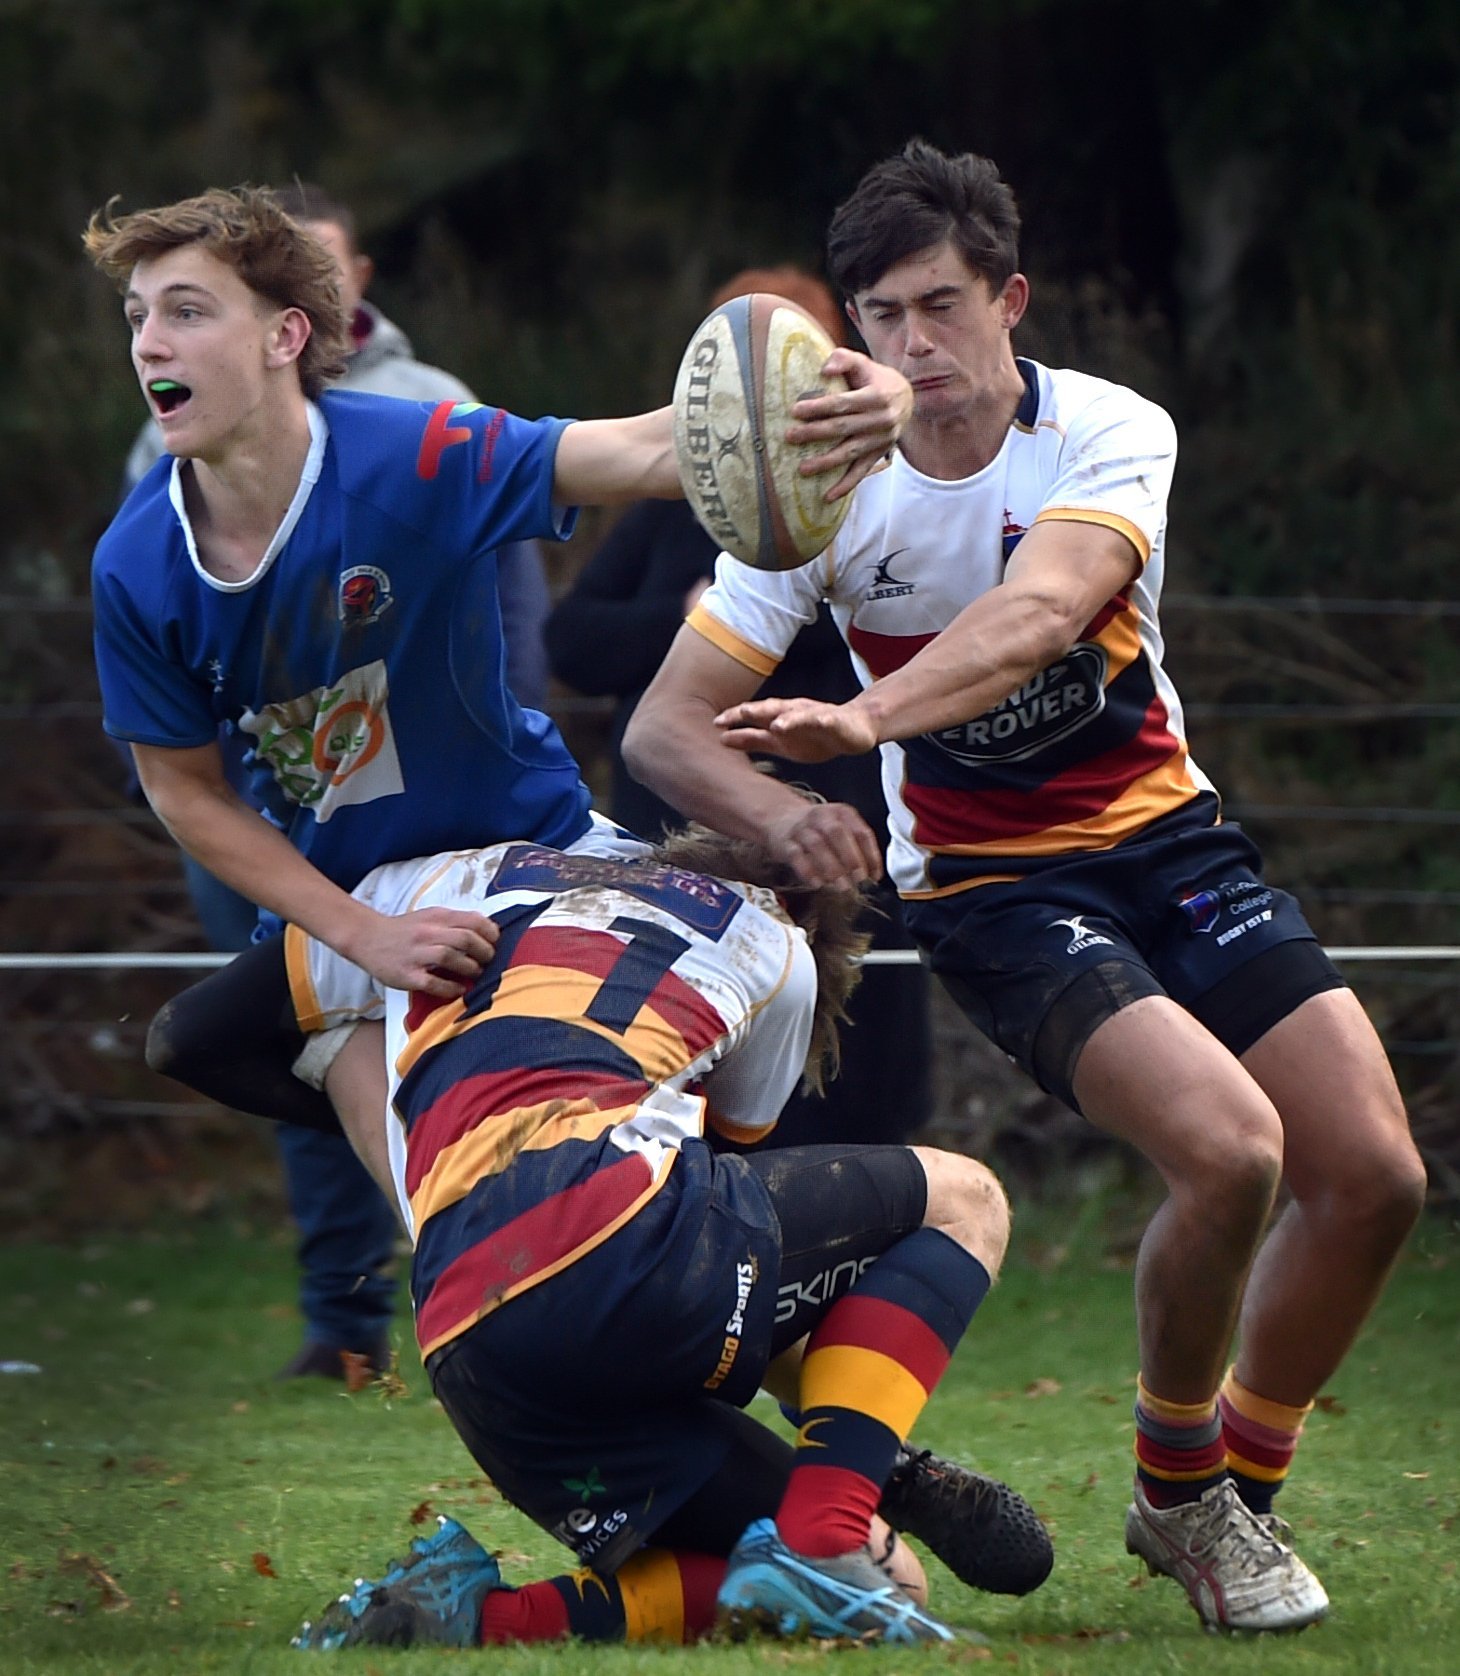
(365, 595)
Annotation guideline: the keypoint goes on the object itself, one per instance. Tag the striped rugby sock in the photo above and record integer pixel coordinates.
(1179, 1448)
(1261, 1437)
(658, 1596)
(870, 1366)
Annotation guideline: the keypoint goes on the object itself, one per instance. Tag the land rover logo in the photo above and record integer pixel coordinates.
(1067, 695)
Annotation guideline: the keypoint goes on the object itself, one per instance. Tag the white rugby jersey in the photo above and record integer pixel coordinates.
(623, 998)
(1090, 751)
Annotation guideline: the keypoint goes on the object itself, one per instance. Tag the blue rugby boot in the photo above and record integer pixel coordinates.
(432, 1596)
(847, 1598)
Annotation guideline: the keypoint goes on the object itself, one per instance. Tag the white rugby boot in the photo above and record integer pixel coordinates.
(1237, 1571)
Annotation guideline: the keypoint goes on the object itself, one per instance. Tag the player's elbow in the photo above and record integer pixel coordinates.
(644, 740)
(1043, 626)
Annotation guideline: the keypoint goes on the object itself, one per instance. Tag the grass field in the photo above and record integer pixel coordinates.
(168, 1509)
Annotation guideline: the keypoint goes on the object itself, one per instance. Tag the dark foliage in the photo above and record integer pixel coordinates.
(1248, 213)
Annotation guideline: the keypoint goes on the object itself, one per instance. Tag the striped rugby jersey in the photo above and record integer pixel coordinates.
(1090, 751)
(541, 1111)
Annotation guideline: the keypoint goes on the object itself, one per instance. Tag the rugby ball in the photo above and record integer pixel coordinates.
(747, 365)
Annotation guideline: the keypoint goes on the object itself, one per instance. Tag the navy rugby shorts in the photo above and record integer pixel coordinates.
(601, 1401)
(1039, 963)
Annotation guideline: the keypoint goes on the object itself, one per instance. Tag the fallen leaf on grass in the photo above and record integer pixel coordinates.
(263, 1565)
(241, 1406)
(421, 1512)
(1330, 1405)
(174, 1600)
(112, 1597)
(1420, 1475)
(1043, 1388)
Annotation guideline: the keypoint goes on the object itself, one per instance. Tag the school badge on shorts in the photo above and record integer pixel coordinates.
(365, 595)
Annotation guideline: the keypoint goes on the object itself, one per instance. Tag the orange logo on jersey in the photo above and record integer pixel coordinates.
(352, 730)
(319, 741)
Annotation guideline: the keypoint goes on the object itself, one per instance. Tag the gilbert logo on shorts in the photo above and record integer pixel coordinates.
(331, 747)
(1082, 936)
(735, 1326)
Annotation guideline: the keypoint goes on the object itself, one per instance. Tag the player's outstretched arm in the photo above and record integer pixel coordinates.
(1060, 576)
(607, 462)
(435, 950)
(672, 746)
(801, 729)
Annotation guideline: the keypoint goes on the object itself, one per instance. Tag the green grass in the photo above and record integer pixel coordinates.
(167, 1509)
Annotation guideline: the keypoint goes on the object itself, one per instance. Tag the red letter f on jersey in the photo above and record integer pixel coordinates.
(438, 438)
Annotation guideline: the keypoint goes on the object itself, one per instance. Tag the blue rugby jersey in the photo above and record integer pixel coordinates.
(364, 656)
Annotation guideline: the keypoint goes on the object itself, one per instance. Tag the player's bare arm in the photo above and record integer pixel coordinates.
(1060, 576)
(671, 746)
(357, 1088)
(609, 462)
(437, 951)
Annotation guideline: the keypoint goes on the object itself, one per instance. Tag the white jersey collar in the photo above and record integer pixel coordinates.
(319, 433)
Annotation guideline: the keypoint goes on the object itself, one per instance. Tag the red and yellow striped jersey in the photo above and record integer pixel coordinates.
(538, 1113)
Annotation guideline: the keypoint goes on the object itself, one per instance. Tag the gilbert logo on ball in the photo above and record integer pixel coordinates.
(748, 364)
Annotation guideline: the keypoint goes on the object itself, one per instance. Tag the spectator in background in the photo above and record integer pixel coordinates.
(609, 634)
(346, 1228)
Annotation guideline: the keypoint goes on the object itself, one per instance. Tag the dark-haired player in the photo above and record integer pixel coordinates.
(1062, 861)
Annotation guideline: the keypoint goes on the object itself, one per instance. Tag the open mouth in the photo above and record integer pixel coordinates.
(168, 395)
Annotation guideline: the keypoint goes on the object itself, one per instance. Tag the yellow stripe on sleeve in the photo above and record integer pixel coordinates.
(308, 1013)
(730, 643)
(1109, 520)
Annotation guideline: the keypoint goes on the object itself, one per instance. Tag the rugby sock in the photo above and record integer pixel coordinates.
(870, 1366)
(1261, 1436)
(1180, 1452)
(669, 1596)
(655, 1596)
